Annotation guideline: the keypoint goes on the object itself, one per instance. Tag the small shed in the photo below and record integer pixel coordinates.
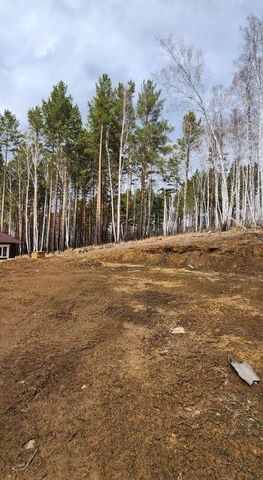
(8, 246)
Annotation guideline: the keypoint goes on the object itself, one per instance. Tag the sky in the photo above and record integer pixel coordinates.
(45, 41)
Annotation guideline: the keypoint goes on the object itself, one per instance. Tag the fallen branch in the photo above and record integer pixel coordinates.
(30, 459)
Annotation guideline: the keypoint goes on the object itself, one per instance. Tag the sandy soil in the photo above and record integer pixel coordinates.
(93, 377)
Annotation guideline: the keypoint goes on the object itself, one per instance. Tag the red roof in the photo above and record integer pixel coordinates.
(4, 238)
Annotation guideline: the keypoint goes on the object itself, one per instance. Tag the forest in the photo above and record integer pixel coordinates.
(126, 171)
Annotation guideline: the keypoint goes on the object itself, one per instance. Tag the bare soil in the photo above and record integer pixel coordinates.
(92, 373)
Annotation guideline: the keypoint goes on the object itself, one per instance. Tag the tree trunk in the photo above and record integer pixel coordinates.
(35, 210)
(3, 189)
(129, 179)
(10, 204)
(142, 206)
(63, 210)
(98, 206)
(53, 228)
(49, 212)
(187, 161)
(26, 209)
(164, 214)
(74, 227)
(111, 188)
(44, 220)
(120, 168)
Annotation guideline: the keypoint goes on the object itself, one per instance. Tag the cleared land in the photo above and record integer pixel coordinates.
(91, 371)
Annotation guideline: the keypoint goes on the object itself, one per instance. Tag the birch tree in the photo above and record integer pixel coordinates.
(33, 139)
(126, 122)
(184, 76)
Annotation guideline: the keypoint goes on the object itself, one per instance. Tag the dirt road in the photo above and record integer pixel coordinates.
(93, 374)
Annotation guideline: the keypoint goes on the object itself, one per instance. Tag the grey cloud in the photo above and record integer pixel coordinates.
(77, 40)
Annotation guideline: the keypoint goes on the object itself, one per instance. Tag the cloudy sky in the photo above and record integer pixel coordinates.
(44, 41)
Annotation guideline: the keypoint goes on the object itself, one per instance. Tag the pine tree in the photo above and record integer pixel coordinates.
(190, 141)
(62, 127)
(9, 142)
(151, 138)
(99, 123)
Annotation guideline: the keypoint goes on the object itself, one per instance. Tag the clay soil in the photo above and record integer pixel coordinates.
(93, 377)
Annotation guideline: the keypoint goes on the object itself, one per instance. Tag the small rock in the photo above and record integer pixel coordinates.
(163, 352)
(177, 330)
(83, 387)
(30, 445)
(196, 412)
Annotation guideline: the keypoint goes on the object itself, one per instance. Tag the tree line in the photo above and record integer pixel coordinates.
(119, 174)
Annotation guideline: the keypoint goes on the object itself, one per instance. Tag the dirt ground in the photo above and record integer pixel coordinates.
(93, 377)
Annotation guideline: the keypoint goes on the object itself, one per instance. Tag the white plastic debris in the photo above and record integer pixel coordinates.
(83, 387)
(245, 371)
(177, 330)
(30, 444)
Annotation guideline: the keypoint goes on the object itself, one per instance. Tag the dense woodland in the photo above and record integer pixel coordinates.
(122, 173)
